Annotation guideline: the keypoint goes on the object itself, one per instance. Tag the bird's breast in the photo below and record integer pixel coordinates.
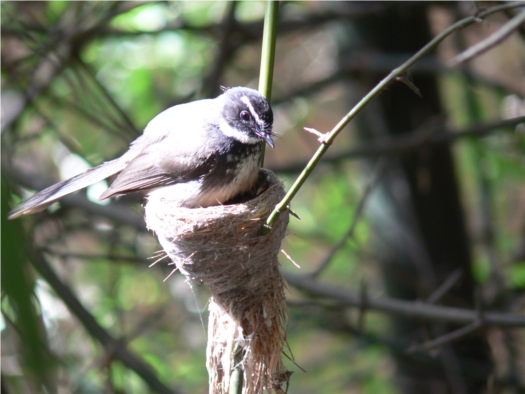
(228, 174)
(235, 172)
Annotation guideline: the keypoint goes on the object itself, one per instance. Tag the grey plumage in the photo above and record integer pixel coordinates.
(41, 200)
(199, 154)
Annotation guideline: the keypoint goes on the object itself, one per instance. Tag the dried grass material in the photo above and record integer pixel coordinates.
(222, 247)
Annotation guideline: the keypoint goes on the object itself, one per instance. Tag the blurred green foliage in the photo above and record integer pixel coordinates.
(145, 59)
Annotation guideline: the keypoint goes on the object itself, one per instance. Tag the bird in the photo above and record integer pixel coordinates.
(198, 154)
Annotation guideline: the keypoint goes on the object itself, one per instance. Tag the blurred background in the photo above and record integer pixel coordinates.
(421, 198)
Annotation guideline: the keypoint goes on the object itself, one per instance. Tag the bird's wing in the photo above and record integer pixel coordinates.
(174, 148)
(153, 169)
(41, 200)
(174, 133)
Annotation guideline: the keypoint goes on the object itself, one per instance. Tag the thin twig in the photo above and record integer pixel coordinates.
(445, 286)
(226, 49)
(401, 70)
(490, 42)
(109, 97)
(51, 53)
(410, 309)
(85, 256)
(111, 344)
(378, 171)
(107, 119)
(409, 141)
(290, 258)
(363, 299)
(444, 339)
(97, 120)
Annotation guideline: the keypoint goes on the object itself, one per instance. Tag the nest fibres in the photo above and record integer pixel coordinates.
(207, 243)
(222, 247)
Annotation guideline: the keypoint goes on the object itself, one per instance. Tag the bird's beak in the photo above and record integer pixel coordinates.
(267, 137)
(269, 140)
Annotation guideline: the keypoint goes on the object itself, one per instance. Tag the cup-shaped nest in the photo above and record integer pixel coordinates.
(223, 246)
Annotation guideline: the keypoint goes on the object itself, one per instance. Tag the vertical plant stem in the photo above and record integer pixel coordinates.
(265, 88)
(236, 378)
(268, 54)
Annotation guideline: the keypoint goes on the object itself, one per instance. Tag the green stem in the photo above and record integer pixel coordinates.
(396, 73)
(268, 54)
(236, 380)
(265, 88)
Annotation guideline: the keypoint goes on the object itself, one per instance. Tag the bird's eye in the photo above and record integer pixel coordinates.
(245, 116)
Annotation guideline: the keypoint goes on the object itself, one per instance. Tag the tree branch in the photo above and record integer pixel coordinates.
(378, 171)
(447, 338)
(445, 287)
(491, 41)
(409, 309)
(409, 141)
(113, 346)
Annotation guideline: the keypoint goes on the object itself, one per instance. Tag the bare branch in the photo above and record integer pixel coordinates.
(126, 119)
(86, 256)
(378, 171)
(490, 42)
(409, 309)
(445, 286)
(111, 344)
(227, 47)
(409, 141)
(444, 339)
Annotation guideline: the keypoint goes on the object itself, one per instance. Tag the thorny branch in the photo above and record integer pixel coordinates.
(393, 76)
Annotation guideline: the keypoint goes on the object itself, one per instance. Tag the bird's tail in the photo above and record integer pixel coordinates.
(41, 200)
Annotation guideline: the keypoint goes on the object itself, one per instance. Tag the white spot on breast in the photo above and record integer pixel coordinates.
(181, 194)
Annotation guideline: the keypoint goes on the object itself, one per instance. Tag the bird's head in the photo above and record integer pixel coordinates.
(246, 116)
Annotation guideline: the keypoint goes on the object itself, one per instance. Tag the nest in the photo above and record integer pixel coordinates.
(222, 246)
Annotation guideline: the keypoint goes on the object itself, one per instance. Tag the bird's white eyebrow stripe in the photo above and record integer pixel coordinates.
(246, 101)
